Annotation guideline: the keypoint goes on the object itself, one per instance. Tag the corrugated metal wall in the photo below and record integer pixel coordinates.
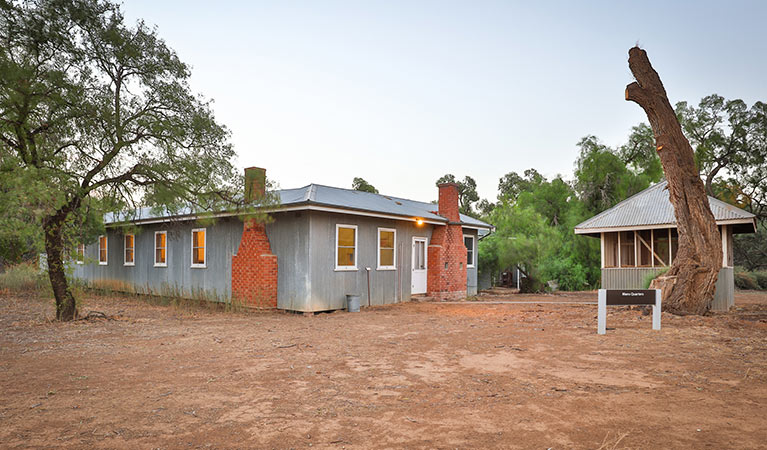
(289, 238)
(724, 297)
(627, 278)
(330, 287)
(484, 280)
(304, 243)
(178, 278)
(634, 278)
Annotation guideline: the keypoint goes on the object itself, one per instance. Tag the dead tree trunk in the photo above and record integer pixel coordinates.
(688, 286)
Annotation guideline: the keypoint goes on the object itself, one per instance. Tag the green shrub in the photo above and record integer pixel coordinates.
(745, 280)
(24, 277)
(761, 279)
(569, 274)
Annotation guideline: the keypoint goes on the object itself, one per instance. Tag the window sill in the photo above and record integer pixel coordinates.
(129, 264)
(471, 267)
(386, 268)
(198, 266)
(161, 265)
(103, 263)
(346, 269)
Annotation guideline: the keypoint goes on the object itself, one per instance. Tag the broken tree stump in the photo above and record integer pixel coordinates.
(688, 286)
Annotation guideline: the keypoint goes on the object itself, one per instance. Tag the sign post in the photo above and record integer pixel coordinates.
(614, 297)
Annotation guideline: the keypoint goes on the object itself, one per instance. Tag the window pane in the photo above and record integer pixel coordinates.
(159, 248)
(387, 239)
(199, 256)
(387, 256)
(346, 237)
(102, 249)
(644, 241)
(627, 249)
(611, 249)
(198, 238)
(128, 248)
(345, 256)
(468, 242)
(661, 247)
(419, 255)
(674, 244)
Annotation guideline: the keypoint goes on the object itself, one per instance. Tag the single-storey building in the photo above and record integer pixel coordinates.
(322, 244)
(639, 239)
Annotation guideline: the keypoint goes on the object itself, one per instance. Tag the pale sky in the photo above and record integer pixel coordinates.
(402, 92)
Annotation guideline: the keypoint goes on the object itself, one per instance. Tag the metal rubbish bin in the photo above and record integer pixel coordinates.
(352, 302)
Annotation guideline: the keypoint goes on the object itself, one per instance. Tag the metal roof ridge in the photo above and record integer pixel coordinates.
(391, 197)
(731, 208)
(310, 192)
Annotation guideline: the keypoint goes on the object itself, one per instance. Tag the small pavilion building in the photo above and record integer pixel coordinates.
(639, 239)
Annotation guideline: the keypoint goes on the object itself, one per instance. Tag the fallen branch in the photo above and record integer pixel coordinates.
(96, 315)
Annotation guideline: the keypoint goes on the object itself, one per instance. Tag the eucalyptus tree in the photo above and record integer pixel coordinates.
(726, 136)
(98, 114)
(602, 178)
(359, 184)
(467, 192)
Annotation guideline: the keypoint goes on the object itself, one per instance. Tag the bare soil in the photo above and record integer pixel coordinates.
(414, 375)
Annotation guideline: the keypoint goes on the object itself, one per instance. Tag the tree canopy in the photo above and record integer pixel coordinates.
(97, 115)
(467, 192)
(359, 184)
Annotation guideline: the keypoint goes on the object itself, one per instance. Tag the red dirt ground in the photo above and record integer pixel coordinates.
(415, 375)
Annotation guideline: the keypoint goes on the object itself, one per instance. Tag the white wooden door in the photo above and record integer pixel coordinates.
(418, 278)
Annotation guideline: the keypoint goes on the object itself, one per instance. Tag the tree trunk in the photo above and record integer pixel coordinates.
(688, 286)
(66, 309)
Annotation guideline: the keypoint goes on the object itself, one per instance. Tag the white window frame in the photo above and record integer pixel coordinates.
(155, 247)
(78, 255)
(204, 248)
(106, 250)
(378, 253)
(125, 250)
(356, 249)
(473, 250)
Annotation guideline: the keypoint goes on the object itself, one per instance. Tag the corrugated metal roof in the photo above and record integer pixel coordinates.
(653, 207)
(327, 196)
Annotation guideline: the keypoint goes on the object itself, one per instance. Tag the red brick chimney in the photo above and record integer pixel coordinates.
(448, 201)
(254, 266)
(446, 277)
(255, 183)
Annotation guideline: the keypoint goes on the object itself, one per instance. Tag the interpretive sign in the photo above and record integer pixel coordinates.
(625, 297)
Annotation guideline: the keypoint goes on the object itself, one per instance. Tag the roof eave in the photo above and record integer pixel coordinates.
(598, 230)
